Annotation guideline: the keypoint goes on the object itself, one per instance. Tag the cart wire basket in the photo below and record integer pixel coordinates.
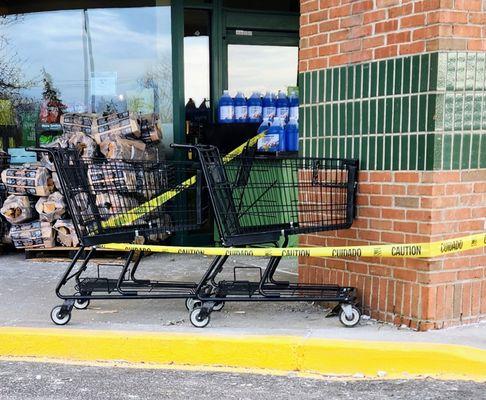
(117, 201)
(258, 199)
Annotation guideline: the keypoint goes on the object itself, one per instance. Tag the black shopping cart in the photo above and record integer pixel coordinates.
(125, 202)
(259, 200)
(256, 201)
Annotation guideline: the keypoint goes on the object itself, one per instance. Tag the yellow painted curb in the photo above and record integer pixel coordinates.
(272, 353)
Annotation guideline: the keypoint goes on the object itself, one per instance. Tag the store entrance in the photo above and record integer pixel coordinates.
(250, 50)
(235, 51)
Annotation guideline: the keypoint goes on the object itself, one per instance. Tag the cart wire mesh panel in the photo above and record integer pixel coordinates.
(258, 199)
(116, 201)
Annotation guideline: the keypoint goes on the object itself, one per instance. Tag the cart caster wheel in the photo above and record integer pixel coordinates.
(191, 304)
(351, 321)
(81, 304)
(218, 306)
(59, 318)
(197, 320)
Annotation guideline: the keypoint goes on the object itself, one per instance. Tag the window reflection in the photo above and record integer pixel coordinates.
(261, 68)
(96, 59)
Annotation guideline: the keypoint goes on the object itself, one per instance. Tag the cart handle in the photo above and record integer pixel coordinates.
(190, 146)
(40, 150)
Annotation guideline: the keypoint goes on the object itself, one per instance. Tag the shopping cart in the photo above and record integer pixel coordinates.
(256, 201)
(259, 200)
(116, 201)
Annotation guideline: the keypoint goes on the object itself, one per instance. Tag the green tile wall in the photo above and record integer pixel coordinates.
(421, 112)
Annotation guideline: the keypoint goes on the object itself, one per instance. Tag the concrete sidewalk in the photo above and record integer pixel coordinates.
(27, 297)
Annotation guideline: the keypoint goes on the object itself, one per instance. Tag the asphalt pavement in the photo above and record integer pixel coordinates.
(46, 381)
(27, 297)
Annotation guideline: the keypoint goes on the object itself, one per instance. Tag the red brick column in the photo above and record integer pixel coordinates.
(408, 207)
(337, 32)
(433, 185)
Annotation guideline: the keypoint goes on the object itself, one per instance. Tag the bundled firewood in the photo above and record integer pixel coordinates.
(66, 234)
(85, 145)
(29, 179)
(112, 176)
(79, 123)
(127, 150)
(121, 177)
(84, 208)
(32, 235)
(162, 226)
(149, 128)
(118, 124)
(113, 204)
(51, 208)
(17, 209)
(57, 182)
(47, 162)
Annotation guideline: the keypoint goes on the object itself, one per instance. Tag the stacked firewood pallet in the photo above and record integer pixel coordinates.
(35, 207)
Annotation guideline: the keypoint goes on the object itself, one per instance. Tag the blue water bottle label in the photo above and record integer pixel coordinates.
(241, 112)
(269, 142)
(255, 112)
(269, 112)
(294, 113)
(226, 113)
(283, 112)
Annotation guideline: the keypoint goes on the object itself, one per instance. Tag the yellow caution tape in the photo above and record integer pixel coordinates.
(136, 213)
(415, 250)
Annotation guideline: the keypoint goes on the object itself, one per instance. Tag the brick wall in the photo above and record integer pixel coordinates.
(407, 207)
(337, 32)
(401, 86)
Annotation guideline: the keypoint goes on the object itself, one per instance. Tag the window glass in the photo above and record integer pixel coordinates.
(196, 55)
(261, 68)
(91, 59)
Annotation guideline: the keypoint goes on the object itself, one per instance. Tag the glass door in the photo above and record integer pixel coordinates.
(261, 56)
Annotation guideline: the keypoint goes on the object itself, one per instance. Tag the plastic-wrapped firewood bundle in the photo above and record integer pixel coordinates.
(32, 235)
(74, 123)
(51, 208)
(66, 234)
(113, 204)
(160, 223)
(149, 128)
(84, 209)
(29, 179)
(114, 175)
(128, 150)
(85, 145)
(120, 124)
(123, 178)
(17, 209)
(57, 182)
(47, 162)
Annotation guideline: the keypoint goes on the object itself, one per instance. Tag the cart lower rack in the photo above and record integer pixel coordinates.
(255, 201)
